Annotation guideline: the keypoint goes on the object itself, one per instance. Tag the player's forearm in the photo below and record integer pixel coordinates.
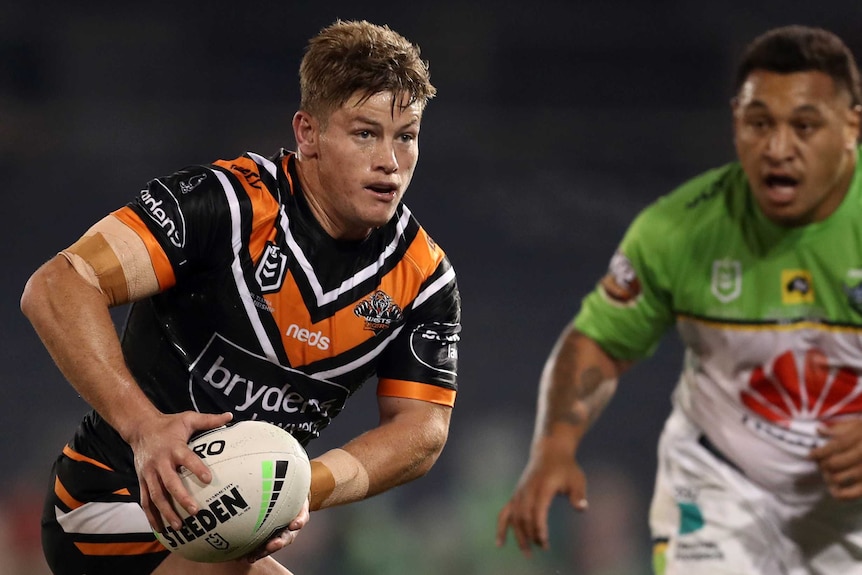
(398, 451)
(577, 383)
(72, 320)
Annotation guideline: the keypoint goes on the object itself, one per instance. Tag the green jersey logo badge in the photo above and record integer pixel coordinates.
(726, 280)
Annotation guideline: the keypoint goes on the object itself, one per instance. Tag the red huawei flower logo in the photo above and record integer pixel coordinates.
(818, 393)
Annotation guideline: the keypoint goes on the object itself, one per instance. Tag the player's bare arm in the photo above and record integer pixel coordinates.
(68, 300)
(403, 447)
(577, 383)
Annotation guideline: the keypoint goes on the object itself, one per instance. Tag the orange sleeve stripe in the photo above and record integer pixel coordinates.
(415, 390)
(264, 207)
(162, 266)
(64, 495)
(72, 454)
(103, 549)
(123, 491)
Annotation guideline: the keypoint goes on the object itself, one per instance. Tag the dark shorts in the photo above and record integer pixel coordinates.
(93, 524)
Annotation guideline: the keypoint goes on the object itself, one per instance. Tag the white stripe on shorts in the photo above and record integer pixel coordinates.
(104, 518)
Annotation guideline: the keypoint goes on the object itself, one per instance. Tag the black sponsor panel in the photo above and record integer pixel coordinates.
(228, 378)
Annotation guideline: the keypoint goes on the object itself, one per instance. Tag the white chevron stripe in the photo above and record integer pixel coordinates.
(348, 284)
(435, 286)
(348, 367)
(236, 269)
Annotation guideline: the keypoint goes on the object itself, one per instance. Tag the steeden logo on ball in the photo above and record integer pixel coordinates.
(261, 478)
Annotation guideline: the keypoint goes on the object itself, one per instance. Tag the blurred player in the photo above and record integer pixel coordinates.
(759, 265)
(263, 288)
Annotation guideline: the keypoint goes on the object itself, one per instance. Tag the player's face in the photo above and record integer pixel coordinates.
(366, 156)
(795, 136)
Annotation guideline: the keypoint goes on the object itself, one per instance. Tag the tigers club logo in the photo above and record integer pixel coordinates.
(788, 392)
(379, 311)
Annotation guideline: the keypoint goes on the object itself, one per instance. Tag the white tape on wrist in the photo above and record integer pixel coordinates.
(351, 477)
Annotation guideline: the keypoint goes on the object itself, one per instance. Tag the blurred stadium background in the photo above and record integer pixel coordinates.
(554, 124)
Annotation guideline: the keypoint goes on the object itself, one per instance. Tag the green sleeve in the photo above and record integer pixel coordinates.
(631, 308)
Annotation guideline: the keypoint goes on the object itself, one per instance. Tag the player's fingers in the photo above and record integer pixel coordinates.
(273, 545)
(153, 516)
(175, 490)
(523, 541)
(205, 421)
(503, 524)
(849, 457)
(540, 509)
(158, 499)
(191, 461)
(513, 516)
(302, 519)
(846, 492)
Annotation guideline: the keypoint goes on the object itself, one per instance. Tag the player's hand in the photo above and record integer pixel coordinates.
(160, 445)
(840, 458)
(527, 511)
(284, 538)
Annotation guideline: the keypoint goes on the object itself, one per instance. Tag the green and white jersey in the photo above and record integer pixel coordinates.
(771, 318)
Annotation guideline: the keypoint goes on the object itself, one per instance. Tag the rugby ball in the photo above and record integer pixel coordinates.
(260, 480)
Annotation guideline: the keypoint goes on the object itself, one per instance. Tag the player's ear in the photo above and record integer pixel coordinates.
(306, 130)
(854, 118)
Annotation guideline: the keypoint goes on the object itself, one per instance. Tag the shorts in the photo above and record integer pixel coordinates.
(708, 518)
(93, 523)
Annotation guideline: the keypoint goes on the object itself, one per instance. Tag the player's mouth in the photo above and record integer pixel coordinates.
(383, 190)
(780, 188)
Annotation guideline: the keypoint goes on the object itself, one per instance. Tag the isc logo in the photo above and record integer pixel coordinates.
(314, 339)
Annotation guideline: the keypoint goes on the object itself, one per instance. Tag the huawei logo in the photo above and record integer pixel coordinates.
(811, 392)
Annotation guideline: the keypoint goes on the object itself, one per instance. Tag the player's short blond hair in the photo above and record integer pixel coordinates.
(350, 57)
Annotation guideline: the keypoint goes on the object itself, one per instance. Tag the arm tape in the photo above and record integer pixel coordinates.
(112, 258)
(337, 477)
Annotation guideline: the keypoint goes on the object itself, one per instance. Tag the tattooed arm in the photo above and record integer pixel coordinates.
(577, 383)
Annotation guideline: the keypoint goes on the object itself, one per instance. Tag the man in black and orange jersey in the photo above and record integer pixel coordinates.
(261, 288)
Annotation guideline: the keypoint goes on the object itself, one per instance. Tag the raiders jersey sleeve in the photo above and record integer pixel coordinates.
(265, 315)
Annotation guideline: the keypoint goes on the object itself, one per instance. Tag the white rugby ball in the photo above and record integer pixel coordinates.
(260, 480)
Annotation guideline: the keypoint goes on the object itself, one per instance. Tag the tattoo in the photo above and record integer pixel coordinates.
(580, 403)
(563, 399)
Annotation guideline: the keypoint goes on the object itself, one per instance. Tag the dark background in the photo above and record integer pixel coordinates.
(554, 124)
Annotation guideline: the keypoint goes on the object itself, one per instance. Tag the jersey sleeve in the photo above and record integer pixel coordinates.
(422, 361)
(181, 218)
(632, 306)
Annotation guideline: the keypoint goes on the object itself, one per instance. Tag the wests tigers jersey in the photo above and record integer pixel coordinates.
(263, 314)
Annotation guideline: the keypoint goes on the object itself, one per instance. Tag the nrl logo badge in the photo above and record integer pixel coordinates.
(379, 311)
(271, 269)
(726, 280)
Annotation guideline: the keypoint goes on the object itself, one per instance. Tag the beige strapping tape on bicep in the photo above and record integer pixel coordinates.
(113, 259)
(351, 477)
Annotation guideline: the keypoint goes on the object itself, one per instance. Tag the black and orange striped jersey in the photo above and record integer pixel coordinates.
(263, 314)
